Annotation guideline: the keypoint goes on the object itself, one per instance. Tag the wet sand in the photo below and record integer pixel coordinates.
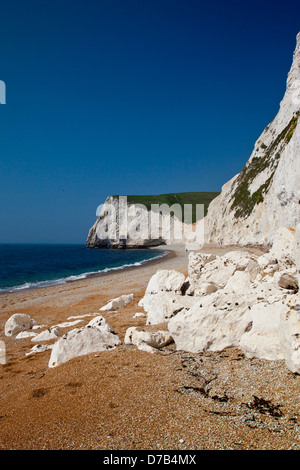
(126, 399)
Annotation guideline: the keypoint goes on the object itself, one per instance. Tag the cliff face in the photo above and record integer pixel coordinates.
(251, 207)
(266, 194)
(126, 225)
(144, 221)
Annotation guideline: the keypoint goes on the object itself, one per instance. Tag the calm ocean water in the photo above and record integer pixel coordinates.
(33, 266)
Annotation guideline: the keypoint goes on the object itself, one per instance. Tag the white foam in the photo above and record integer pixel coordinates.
(54, 282)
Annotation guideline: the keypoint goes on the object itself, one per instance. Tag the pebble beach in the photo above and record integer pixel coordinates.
(127, 399)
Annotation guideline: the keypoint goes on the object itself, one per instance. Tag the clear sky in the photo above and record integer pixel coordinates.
(130, 97)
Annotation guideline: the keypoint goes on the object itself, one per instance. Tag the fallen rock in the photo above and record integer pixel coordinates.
(162, 306)
(239, 283)
(17, 323)
(26, 334)
(83, 316)
(209, 326)
(283, 248)
(166, 281)
(46, 335)
(287, 279)
(262, 340)
(67, 324)
(218, 272)
(146, 340)
(206, 288)
(38, 327)
(196, 264)
(115, 304)
(91, 338)
(289, 333)
(2, 353)
(189, 287)
(101, 324)
(139, 314)
(39, 348)
(253, 268)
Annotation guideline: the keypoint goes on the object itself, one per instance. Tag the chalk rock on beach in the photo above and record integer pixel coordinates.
(146, 340)
(196, 264)
(163, 306)
(96, 336)
(262, 339)
(101, 324)
(163, 296)
(67, 324)
(2, 353)
(119, 302)
(26, 334)
(166, 281)
(213, 323)
(17, 323)
(289, 333)
(283, 248)
(139, 315)
(46, 335)
(39, 348)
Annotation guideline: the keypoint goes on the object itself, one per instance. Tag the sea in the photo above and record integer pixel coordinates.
(30, 266)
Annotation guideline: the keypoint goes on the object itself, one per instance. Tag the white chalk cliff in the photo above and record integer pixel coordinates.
(266, 194)
(122, 224)
(241, 299)
(113, 218)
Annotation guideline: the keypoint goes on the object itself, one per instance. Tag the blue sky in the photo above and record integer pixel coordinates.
(130, 97)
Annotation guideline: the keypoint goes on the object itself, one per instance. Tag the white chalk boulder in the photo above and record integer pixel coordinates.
(139, 315)
(119, 302)
(17, 323)
(163, 306)
(215, 322)
(283, 248)
(197, 262)
(262, 339)
(39, 348)
(166, 281)
(146, 340)
(97, 336)
(46, 335)
(26, 334)
(2, 353)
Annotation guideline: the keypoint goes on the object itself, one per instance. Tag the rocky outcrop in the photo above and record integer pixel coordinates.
(249, 306)
(164, 296)
(266, 194)
(124, 223)
(114, 223)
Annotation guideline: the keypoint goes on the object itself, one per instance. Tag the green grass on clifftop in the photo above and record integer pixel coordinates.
(176, 198)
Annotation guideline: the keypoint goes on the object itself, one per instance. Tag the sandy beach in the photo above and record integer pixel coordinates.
(126, 399)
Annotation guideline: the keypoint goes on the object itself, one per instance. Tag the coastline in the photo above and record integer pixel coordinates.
(86, 275)
(127, 399)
